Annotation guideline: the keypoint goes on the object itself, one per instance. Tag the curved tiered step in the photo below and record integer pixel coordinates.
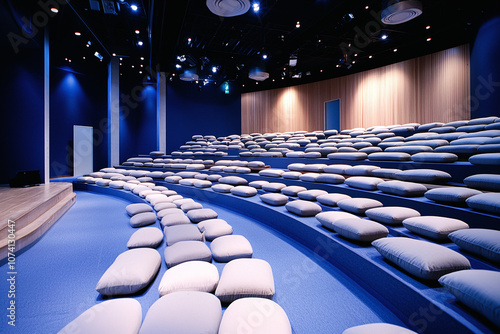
(30, 212)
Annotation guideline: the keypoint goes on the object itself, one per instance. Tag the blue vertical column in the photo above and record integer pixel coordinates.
(46, 106)
(114, 112)
(161, 111)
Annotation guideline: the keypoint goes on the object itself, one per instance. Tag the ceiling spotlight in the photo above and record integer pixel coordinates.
(297, 25)
(366, 7)
(429, 39)
(84, 57)
(142, 58)
(189, 40)
(214, 69)
(142, 65)
(140, 72)
(428, 27)
(384, 37)
(77, 33)
(370, 56)
(54, 10)
(98, 55)
(256, 7)
(137, 32)
(121, 58)
(395, 50)
(178, 66)
(133, 7)
(140, 43)
(264, 56)
(133, 66)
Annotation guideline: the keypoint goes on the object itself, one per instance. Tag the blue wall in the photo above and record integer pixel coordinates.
(138, 119)
(21, 109)
(206, 112)
(485, 70)
(76, 99)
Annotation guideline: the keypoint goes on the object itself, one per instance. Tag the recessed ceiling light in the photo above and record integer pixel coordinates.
(137, 32)
(429, 39)
(121, 58)
(355, 55)
(54, 10)
(338, 65)
(133, 7)
(354, 62)
(370, 56)
(178, 66)
(428, 27)
(264, 56)
(384, 37)
(395, 50)
(189, 40)
(114, 54)
(297, 25)
(366, 7)
(140, 43)
(77, 33)
(83, 57)
(121, 64)
(140, 72)
(142, 58)
(133, 66)
(142, 65)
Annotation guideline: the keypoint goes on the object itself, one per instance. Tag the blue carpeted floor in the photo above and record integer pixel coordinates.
(57, 276)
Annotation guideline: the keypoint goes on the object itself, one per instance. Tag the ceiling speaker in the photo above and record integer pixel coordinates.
(396, 12)
(228, 8)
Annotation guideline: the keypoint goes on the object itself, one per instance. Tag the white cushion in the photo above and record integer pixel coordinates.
(214, 228)
(363, 182)
(131, 271)
(244, 191)
(489, 202)
(182, 232)
(199, 215)
(478, 289)
(191, 206)
(255, 315)
(273, 187)
(292, 190)
(258, 184)
(291, 175)
(233, 180)
(202, 183)
(489, 182)
(360, 229)
(222, 188)
(271, 172)
(143, 219)
(348, 156)
(423, 259)
(336, 169)
(183, 312)
(386, 173)
(145, 237)
(424, 176)
(389, 156)
(274, 199)
(402, 188)
(331, 199)
(483, 242)
(309, 177)
(434, 227)
(358, 205)
(330, 178)
(296, 167)
(175, 219)
(360, 170)
(184, 251)
(434, 157)
(230, 247)
(451, 194)
(378, 328)
(303, 208)
(329, 218)
(391, 215)
(190, 276)
(122, 315)
(245, 278)
(310, 195)
(133, 209)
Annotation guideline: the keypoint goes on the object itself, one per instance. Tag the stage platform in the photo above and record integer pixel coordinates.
(27, 213)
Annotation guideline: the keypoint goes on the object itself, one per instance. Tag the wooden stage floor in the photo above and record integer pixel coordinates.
(26, 213)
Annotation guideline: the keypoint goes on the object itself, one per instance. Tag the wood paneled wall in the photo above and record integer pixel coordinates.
(432, 88)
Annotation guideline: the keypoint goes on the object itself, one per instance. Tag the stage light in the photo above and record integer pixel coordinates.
(395, 50)
(226, 87)
(133, 7)
(370, 56)
(137, 32)
(140, 43)
(54, 10)
(429, 39)
(428, 27)
(142, 58)
(214, 69)
(264, 56)
(98, 55)
(189, 40)
(297, 25)
(256, 7)
(77, 33)
(114, 54)
(384, 37)
(178, 66)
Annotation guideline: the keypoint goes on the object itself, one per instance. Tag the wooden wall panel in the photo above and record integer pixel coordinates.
(432, 88)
